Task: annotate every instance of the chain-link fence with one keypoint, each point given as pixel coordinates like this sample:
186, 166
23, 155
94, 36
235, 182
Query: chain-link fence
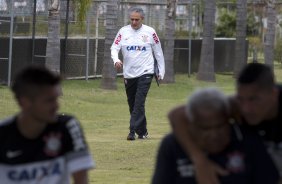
24, 33
24, 29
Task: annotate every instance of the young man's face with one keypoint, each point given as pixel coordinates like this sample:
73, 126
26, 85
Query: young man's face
136, 20
211, 131
256, 104
44, 106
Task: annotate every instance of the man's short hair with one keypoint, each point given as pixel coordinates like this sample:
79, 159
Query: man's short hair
258, 74
31, 78
137, 10
207, 99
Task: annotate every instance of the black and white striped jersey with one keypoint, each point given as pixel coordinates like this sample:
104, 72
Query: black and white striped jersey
59, 151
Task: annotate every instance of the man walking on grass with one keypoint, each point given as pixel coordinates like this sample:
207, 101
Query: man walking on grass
139, 44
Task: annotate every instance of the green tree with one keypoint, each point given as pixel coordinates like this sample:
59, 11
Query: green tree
226, 26
82, 7
253, 25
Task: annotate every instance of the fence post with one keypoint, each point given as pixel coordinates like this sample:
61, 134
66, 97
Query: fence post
190, 37
33, 30
87, 44
96, 39
11, 42
66, 35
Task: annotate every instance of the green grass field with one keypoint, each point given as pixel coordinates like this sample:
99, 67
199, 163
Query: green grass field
105, 118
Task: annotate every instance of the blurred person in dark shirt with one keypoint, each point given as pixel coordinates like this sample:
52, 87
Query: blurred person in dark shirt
257, 104
238, 151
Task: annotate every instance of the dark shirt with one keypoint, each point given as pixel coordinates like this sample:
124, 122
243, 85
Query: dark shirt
245, 158
59, 151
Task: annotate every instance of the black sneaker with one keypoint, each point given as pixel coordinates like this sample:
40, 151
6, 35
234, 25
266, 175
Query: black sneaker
131, 137
144, 136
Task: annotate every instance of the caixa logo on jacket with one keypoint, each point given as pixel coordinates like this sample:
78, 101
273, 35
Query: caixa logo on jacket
136, 48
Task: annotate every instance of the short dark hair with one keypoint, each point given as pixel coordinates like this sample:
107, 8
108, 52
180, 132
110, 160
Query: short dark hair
31, 78
258, 74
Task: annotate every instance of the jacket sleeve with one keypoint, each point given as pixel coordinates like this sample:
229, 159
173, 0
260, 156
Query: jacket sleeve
158, 53
116, 46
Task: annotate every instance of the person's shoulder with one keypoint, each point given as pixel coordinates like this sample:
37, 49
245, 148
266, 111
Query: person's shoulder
7, 122
7, 127
64, 118
169, 138
72, 129
169, 142
171, 148
149, 29
125, 28
66, 121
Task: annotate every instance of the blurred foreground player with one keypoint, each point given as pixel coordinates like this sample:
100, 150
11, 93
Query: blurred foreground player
38, 146
241, 153
257, 104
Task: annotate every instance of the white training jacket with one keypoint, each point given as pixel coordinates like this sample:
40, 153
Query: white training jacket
137, 48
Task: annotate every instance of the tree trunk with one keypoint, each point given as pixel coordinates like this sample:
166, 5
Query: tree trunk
270, 33
53, 42
169, 42
108, 71
241, 31
206, 67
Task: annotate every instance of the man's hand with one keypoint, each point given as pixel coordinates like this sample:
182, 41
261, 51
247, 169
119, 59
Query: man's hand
159, 77
118, 65
207, 171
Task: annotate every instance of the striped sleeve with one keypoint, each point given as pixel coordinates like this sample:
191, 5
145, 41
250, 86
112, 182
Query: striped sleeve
78, 156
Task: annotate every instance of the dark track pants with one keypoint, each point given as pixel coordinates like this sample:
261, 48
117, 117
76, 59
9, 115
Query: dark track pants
136, 91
